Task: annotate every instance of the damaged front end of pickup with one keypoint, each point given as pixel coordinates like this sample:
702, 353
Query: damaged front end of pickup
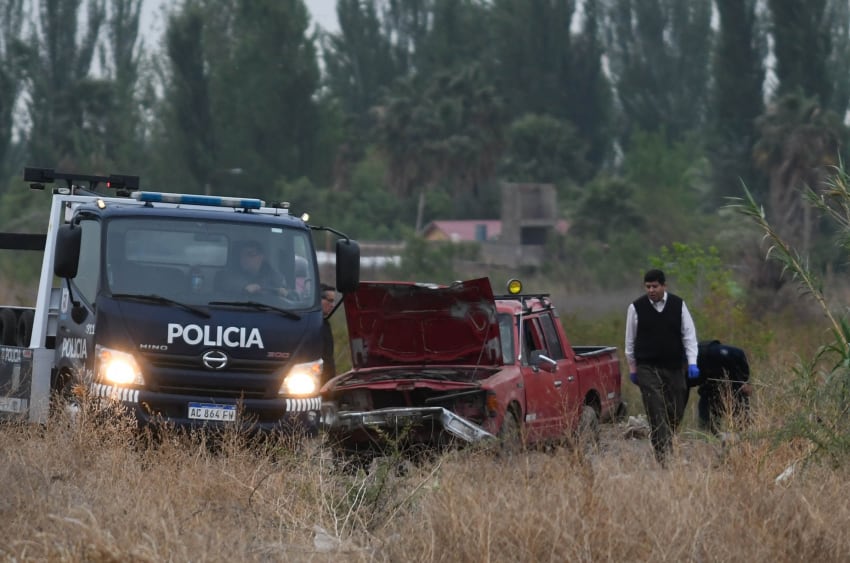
421, 356
370, 420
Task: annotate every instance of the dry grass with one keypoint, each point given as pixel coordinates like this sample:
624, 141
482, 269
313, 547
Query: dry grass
93, 492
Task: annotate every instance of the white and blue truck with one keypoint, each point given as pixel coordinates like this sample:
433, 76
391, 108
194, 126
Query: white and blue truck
131, 307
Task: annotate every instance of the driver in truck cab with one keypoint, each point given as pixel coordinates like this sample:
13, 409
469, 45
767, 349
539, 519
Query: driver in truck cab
253, 274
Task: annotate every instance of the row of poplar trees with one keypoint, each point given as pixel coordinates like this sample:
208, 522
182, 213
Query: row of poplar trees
645, 114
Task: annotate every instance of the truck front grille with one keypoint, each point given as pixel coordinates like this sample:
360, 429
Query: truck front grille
167, 361
187, 375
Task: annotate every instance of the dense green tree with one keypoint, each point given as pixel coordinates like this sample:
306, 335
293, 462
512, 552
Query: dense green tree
65, 104
838, 65
670, 178
120, 58
448, 131
455, 37
401, 132
542, 148
802, 44
381, 40
591, 98
607, 240
11, 51
384, 40
532, 42
801, 135
407, 23
264, 104
185, 137
736, 95
797, 147
659, 57
241, 94
359, 62
607, 207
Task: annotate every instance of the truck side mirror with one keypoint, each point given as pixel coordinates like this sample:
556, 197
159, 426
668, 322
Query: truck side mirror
540, 361
67, 257
347, 265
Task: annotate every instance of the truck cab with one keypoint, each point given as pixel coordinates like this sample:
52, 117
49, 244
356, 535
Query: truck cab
152, 312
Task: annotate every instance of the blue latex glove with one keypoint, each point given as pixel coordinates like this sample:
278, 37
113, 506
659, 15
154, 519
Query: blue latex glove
633, 377
693, 371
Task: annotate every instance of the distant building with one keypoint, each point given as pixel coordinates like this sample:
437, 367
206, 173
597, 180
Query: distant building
473, 230
529, 218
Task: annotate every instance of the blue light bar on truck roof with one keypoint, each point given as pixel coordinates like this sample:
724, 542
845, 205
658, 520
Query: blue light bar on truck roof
192, 199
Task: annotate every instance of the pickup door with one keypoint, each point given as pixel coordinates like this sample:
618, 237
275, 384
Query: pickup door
552, 396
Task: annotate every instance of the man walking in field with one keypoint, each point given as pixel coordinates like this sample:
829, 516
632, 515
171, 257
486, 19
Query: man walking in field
660, 340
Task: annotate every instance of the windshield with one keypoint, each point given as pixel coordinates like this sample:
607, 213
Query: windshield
202, 262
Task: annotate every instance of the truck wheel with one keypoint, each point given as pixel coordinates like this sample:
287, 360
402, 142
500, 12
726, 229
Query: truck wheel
588, 427
510, 435
8, 327
24, 332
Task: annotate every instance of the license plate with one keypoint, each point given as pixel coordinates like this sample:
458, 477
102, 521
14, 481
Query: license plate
11, 404
206, 411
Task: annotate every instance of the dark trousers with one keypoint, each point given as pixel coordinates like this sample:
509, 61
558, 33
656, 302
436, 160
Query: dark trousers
664, 392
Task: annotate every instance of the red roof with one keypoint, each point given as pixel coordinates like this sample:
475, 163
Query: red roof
467, 230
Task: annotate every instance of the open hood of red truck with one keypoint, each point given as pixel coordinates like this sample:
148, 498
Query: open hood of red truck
407, 324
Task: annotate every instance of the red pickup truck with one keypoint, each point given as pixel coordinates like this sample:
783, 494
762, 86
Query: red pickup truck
436, 364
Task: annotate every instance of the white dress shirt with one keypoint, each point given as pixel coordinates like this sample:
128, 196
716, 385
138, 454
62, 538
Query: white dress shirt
689, 332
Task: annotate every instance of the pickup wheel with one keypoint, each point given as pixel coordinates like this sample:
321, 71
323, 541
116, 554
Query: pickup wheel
510, 435
588, 427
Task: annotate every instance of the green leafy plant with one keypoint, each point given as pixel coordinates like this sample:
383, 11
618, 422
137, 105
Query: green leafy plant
820, 387
715, 300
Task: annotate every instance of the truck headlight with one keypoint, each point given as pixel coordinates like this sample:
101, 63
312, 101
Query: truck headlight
117, 368
302, 379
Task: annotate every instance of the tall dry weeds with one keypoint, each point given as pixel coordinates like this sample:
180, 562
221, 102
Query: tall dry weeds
91, 490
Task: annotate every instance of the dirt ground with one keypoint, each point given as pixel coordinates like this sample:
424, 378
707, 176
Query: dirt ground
628, 442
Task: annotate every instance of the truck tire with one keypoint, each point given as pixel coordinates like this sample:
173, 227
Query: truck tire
8, 327
588, 428
24, 332
510, 435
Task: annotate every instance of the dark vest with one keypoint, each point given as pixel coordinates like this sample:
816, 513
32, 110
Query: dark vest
659, 335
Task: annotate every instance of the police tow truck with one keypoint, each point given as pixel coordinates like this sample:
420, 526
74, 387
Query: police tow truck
146, 312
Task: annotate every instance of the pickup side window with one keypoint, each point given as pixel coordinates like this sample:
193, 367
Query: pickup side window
532, 339
556, 349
